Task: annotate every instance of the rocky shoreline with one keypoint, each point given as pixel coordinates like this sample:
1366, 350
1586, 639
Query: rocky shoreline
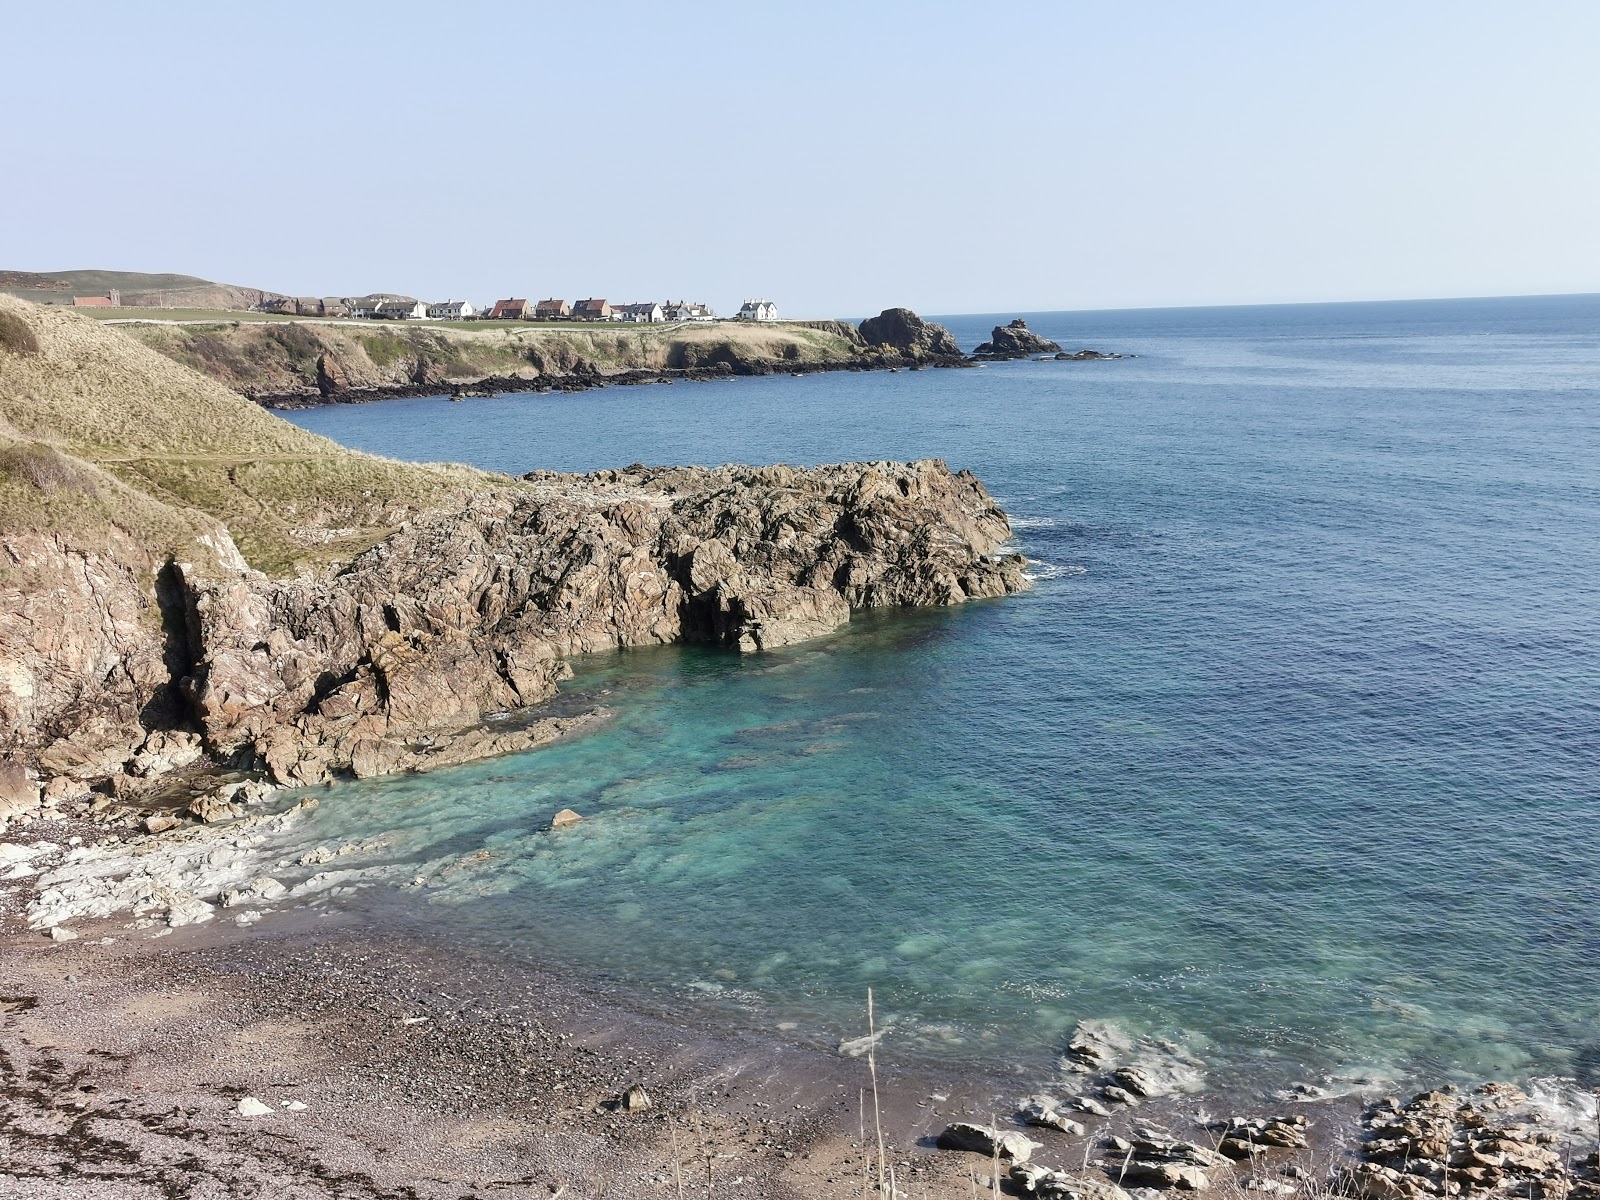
396, 660
352, 1055
895, 340
500, 385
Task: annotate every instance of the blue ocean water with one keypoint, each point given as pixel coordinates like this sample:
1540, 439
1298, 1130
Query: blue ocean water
1293, 753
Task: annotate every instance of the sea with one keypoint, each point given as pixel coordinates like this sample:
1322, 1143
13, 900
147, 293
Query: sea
1291, 757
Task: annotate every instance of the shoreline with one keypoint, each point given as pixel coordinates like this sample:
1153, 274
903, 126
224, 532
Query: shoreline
499, 385
431, 1068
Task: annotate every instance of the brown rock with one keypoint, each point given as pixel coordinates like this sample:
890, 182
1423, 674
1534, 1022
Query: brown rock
565, 819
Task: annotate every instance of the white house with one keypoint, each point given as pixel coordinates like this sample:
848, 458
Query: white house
400, 310
451, 310
649, 314
758, 310
681, 310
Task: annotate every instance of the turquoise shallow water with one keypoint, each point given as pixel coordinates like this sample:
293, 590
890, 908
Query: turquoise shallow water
1291, 754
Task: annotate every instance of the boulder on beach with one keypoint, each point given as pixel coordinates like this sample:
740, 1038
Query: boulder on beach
565, 819
981, 1139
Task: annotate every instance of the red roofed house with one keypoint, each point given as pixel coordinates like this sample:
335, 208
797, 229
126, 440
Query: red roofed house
553, 310
591, 310
510, 310
109, 300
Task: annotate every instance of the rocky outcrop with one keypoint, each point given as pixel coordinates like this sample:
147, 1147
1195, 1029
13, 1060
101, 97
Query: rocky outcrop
1441, 1142
918, 340
393, 661
1015, 340
137, 646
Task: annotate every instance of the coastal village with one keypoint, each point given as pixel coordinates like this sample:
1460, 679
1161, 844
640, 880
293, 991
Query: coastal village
382, 307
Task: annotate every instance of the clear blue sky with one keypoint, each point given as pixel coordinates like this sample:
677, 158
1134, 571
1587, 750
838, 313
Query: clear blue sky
836, 158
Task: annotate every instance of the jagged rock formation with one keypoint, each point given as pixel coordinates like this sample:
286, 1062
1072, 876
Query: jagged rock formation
467, 614
918, 340
1015, 340
380, 611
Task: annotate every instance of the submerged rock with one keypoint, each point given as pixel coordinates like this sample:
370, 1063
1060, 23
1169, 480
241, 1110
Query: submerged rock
565, 819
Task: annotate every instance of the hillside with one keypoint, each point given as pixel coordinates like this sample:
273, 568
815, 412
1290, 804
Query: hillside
311, 360
99, 433
139, 290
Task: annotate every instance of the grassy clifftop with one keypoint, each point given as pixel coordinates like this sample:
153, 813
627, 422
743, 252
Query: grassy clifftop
99, 433
304, 357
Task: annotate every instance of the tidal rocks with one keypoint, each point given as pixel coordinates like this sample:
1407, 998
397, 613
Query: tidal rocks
1441, 1142
565, 819
1048, 1116
919, 340
981, 1139
1015, 340
1247, 1137
1127, 1070
1035, 1180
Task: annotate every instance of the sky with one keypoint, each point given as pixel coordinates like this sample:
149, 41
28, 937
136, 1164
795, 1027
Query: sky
835, 158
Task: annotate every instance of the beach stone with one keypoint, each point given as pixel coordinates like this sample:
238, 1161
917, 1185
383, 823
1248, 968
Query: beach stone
1048, 1117
160, 822
1271, 1187
213, 807
267, 888
188, 910
1166, 1175
60, 933
251, 1107
980, 1139
635, 1099
1089, 1105
565, 819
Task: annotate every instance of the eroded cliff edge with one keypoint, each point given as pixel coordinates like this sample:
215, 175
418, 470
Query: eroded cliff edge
185, 579
392, 662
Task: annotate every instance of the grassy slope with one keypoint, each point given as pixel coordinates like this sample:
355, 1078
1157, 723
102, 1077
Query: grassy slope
98, 430
280, 359
131, 284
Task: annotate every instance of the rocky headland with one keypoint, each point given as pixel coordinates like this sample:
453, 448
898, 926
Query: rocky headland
191, 583
303, 363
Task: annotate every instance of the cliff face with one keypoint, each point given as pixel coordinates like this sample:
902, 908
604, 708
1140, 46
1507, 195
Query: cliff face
468, 614
312, 362
135, 638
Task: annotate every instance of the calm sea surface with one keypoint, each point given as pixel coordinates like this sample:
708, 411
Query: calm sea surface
1293, 754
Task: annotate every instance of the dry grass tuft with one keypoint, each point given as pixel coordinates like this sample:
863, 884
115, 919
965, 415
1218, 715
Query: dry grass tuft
15, 335
91, 396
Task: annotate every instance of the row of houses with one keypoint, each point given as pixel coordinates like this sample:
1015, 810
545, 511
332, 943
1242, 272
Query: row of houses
594, 309
392, 308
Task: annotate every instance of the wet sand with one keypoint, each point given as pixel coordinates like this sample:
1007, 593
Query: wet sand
394, 1063
424, 1072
